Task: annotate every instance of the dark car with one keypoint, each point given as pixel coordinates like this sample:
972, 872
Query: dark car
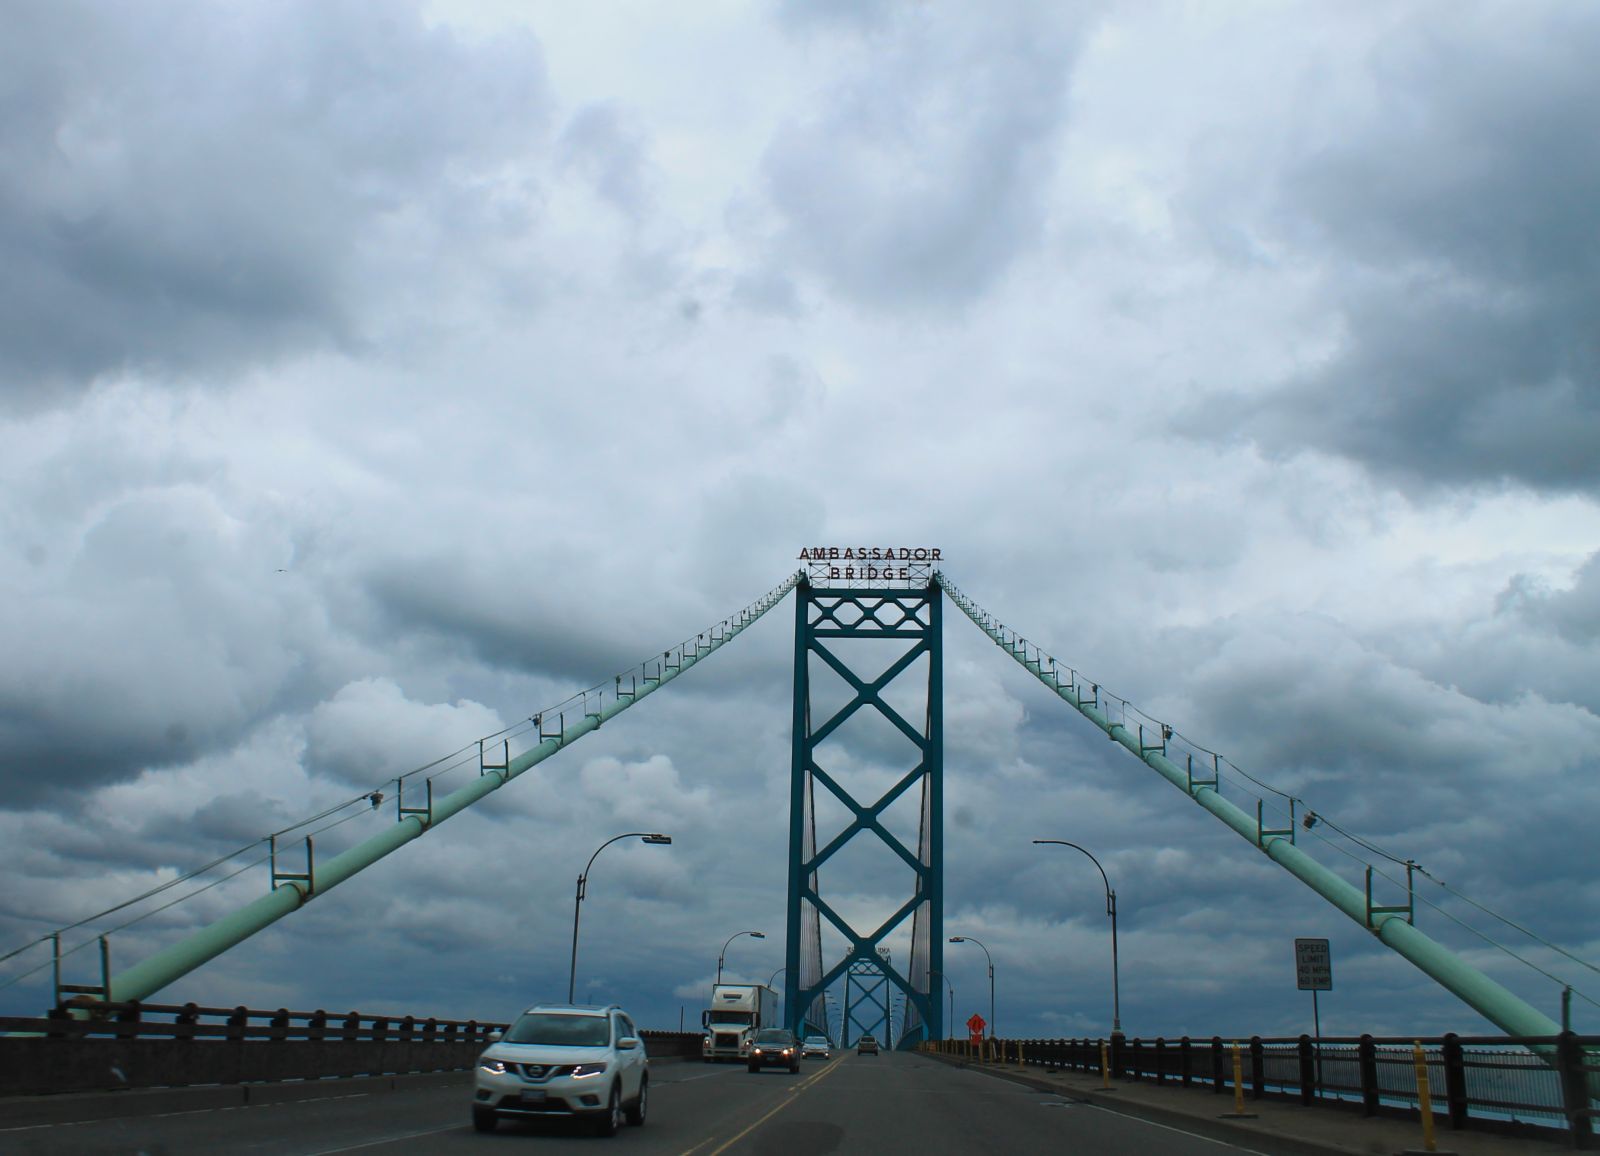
774, 1047
865, 1044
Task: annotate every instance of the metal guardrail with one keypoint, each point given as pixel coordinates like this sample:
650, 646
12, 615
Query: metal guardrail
1541, 1086
136, 1020
87, 1046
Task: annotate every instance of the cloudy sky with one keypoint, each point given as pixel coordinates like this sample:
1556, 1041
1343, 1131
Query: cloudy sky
375, 375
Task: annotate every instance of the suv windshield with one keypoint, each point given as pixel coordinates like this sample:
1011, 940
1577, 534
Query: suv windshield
554, 1028
773, 1036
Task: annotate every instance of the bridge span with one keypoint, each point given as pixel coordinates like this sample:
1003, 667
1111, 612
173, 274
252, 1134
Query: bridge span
889, 1103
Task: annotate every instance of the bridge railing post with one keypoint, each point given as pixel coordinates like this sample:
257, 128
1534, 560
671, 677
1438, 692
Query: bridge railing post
1573, 1069
127, 1020
185, 1021
1308, 1070
1258, 1069
1367, 1063
1185, 1062
1455, 1080
1118, 1059
1218, 1079
1161, 1061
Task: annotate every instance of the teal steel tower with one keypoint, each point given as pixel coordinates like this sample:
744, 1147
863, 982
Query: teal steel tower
849, 629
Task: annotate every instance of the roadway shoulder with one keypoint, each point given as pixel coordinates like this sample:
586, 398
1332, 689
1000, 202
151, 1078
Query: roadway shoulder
69, 1107
1274, 1125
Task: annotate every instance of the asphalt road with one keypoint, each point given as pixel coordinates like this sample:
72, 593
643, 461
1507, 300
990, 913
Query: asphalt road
850, 1104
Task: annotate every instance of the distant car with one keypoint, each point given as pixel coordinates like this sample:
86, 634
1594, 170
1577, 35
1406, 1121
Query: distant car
774, 1047
867, 1044
816, 1046
567, 1061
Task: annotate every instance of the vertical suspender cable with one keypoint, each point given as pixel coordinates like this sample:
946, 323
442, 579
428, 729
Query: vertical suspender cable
151, 975
1489, 999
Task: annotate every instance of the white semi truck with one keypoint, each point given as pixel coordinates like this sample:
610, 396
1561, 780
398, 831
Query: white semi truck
737, 1012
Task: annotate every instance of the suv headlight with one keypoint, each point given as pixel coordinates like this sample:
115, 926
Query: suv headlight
584, 1071
492, 1066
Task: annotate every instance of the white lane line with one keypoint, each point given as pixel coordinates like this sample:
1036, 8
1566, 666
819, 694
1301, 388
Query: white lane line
386, 1140
1130, 1116
186, 1112
1179, 1131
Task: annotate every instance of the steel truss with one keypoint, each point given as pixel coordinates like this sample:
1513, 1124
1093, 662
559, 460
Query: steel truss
909, 619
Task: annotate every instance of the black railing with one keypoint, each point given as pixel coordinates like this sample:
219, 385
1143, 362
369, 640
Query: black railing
111, 1046
135, 1020
1537, 1086
97, 1046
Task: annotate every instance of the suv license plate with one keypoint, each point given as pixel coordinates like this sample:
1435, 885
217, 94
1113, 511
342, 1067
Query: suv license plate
533, 1095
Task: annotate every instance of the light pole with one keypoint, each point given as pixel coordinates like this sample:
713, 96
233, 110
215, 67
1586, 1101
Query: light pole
1111, 910
772, 979
950, 1025
990, 958
583, 884
723, 953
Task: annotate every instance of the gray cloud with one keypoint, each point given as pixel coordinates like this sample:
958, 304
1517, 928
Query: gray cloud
1453, 216
598, 143
919, 179
198, 190
521, 411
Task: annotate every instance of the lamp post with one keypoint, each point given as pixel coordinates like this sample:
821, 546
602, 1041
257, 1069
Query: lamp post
990, 958
723, 953
650, 837
950, 1025
1111, 910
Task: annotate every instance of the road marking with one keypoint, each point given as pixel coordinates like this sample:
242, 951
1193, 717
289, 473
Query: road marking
385, 1140
186, 1112
794, 1092
1179, 1131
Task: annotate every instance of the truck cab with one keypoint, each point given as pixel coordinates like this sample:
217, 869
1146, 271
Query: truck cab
737, 1012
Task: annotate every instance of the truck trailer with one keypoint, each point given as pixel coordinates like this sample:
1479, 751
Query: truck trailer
737, 1012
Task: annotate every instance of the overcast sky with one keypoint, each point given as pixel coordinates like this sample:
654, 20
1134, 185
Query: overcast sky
375, 375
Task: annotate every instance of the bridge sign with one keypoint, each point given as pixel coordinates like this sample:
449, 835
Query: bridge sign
1313, 965
976, 1025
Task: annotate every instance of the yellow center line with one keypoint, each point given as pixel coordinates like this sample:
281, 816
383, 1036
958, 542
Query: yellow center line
794, 1091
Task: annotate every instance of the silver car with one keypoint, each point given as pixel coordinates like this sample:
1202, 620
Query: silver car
815, 1046
565, 1061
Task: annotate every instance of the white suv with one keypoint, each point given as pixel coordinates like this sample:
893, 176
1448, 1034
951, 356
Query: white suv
562, 1060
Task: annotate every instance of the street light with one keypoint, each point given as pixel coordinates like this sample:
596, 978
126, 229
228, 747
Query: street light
723, 953
1111, 910
990, 958
583, 882
950, 1028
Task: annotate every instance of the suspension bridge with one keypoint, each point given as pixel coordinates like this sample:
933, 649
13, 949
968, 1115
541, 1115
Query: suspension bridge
868, 641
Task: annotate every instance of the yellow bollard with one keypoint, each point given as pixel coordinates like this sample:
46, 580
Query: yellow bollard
1424, 1101
1105, 1068
1021, 1063
1238, 1081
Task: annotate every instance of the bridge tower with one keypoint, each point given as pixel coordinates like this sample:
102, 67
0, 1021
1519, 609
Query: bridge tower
868, 659
866, 1004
